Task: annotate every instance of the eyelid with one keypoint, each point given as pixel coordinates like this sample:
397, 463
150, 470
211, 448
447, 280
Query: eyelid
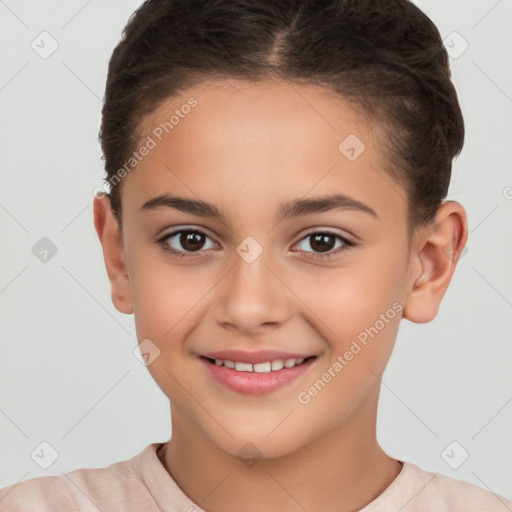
185, 227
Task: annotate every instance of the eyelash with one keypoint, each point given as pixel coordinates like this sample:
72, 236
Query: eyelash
347, 244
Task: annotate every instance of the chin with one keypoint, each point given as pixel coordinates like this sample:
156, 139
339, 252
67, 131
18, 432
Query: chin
250, 451
257, 445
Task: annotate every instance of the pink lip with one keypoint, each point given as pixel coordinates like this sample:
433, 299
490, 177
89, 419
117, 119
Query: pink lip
261, 356
252, 383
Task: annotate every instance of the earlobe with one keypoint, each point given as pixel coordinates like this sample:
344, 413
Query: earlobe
111, 240
433, 262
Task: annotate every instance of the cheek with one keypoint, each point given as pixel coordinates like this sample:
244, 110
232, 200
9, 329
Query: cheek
346, 299
357, 310
166, 305
164, 295
357, 355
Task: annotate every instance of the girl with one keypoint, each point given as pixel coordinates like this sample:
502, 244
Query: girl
276, 179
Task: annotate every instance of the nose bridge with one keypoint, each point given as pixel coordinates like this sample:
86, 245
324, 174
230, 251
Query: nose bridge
251, 295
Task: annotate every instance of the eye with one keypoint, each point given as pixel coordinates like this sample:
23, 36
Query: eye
190, 240
324, 242
185, 242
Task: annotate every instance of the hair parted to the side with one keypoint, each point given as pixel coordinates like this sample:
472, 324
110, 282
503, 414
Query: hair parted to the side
384, 56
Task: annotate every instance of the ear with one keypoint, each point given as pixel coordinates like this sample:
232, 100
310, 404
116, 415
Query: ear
111, 239
434, 256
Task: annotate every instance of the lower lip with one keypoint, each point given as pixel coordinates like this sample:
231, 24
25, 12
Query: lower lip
253, 383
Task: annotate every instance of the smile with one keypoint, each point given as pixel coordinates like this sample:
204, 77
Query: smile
256, 378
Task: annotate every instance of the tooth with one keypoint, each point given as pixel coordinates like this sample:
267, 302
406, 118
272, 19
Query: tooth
278, 364
262, 367
266, 367
243, 367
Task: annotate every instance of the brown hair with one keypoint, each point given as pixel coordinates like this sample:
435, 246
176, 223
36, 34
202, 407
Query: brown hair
385, 56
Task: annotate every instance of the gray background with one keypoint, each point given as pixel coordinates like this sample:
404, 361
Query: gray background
68, 373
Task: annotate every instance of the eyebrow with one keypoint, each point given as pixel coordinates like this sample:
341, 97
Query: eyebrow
286, 210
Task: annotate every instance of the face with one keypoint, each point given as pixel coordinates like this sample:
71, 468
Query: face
252, 273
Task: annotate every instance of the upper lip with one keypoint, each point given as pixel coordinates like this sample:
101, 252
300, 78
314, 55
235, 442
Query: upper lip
261, 356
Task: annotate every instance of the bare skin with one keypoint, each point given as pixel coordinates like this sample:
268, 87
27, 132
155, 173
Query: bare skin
247, 148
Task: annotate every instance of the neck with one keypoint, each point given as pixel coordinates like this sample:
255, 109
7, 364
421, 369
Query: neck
341, 470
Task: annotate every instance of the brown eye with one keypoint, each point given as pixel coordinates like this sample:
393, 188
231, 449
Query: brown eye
323, 243
185, 241
191, 240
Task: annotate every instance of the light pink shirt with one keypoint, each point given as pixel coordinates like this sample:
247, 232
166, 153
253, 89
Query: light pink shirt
142, 484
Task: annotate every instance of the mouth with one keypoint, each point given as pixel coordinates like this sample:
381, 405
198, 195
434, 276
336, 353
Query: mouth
257, 378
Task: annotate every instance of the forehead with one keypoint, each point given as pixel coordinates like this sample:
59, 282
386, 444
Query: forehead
260, 140
307, 109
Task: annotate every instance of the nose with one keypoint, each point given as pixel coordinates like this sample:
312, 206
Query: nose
252, 297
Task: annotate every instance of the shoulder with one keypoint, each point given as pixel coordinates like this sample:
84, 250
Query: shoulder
113, 487
443, 493
36, 495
